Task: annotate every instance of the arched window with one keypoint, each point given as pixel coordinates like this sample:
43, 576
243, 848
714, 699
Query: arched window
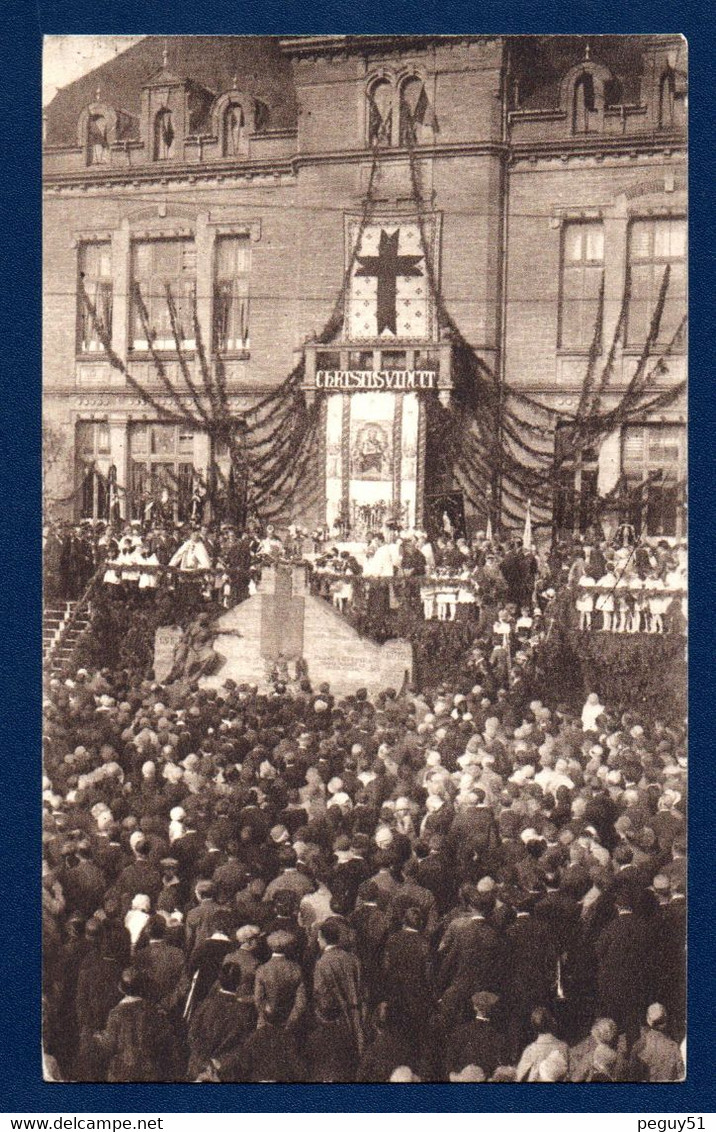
380, 113
163, 136
262, 117
97, 141
416, 116
234, 131
583, 104
667, 90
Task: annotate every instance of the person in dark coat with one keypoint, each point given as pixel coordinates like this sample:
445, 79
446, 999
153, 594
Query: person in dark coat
670, 931
279, 989
141, 876
221, 1023
347, 876
433, 872
270, 1054
329, 1049
387, 1048
83, 884
137, 1041
207, 959
408, 976
470, 955
163, 968
478, 1042
626, 968
473, 834
531, 954
337, 984
370, 922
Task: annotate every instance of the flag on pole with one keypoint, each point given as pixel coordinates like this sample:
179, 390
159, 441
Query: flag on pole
488, 530
527, 535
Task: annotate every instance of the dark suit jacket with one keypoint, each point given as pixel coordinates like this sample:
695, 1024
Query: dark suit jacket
476, 1043
470, 956
165, 970
530, 963
219, 1026
409, 987
626, 970
270, 1053
138, 1043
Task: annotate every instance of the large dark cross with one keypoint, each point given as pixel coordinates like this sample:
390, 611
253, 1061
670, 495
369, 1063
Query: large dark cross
386, 267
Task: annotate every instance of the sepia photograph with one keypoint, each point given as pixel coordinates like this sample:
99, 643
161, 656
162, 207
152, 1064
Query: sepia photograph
364, 559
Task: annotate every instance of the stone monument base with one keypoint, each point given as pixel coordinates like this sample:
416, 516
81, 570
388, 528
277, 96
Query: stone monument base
283, 622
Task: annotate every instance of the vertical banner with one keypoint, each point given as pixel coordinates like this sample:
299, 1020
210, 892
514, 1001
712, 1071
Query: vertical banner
389, 295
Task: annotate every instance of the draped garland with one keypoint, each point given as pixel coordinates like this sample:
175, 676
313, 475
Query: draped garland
494, 449
273, 446
498, 441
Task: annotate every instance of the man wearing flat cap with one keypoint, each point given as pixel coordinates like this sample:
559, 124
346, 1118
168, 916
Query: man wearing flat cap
245, 957
279, 989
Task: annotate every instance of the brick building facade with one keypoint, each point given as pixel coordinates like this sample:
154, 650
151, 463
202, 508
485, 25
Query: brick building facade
235, 171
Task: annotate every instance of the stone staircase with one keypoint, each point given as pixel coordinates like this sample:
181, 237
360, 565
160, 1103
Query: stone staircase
62, 627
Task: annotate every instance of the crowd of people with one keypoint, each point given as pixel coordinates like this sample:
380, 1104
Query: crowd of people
621, 585
466, 883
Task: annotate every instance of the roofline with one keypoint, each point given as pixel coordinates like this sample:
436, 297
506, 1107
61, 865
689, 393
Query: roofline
330, 44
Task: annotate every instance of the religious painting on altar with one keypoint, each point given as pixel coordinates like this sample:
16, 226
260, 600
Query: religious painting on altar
371, 455
390, 295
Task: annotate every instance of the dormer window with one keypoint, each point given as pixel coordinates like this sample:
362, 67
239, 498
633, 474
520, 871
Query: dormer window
380, 113
417, 121
163, 136
583, 104
234, 139
97, 140
261, 117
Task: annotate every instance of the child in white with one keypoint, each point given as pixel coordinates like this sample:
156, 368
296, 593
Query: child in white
636, 587
591, 711
621, 615
657, 603
148, 579
585, 601
605, 599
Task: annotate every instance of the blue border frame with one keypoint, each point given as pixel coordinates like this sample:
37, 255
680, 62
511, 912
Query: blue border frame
20, 630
